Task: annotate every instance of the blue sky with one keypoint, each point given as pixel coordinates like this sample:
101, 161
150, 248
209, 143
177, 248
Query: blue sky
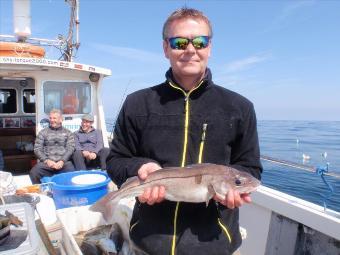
282, 55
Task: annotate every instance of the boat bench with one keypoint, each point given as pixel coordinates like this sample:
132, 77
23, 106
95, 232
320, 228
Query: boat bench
12, 144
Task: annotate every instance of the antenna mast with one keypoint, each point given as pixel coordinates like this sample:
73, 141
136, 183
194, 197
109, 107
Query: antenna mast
22, 29
74, 23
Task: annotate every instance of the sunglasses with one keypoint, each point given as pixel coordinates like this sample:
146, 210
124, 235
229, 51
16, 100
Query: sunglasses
181, 43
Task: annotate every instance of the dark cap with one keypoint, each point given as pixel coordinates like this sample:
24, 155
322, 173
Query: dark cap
88, 117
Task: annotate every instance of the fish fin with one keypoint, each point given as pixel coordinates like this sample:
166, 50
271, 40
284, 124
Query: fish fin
210, 194
128, 181
198, 179
199, 165
102, 205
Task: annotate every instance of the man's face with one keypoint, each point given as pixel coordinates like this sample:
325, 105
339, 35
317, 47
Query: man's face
86, 125
190, 62
55, 120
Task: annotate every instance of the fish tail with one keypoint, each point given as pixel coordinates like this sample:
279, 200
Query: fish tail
104, 205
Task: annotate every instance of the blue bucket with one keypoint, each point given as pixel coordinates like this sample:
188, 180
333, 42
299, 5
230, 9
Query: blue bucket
67, 193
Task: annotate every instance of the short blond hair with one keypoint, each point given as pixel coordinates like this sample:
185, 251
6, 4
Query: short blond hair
56, 111
185, 13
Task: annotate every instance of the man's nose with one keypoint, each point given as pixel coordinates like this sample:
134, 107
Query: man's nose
190, 48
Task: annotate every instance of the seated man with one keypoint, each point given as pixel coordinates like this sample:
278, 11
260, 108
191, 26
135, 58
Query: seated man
53, 147
89, 146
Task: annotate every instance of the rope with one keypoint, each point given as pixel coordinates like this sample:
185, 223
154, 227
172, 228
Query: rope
321, 172
297, 165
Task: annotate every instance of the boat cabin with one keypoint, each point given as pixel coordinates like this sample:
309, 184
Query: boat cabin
29, 88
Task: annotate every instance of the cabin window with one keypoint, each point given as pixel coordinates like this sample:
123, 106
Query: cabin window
69, 97
28, 100
8, 101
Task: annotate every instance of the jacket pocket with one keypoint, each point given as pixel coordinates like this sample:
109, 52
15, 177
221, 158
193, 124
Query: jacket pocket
220, 135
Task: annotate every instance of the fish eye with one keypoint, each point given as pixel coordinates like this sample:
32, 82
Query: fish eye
237, 182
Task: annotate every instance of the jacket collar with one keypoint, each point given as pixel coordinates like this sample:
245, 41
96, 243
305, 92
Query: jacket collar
58, 128
207, 80
82, 131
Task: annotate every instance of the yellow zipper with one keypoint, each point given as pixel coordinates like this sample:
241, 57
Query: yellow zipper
185, 145
225, 229
133, 225
204, 129
200, 154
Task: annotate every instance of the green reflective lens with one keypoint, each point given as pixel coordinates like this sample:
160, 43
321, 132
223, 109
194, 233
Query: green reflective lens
181, 43
200, 42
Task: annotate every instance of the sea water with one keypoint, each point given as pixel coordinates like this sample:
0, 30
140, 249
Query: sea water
312, 143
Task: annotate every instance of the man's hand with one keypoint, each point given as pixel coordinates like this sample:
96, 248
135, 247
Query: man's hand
155, 194
92, 155
86, 154
50, 163
233, 199
59, 165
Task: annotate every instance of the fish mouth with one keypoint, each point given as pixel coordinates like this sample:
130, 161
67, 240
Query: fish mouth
252, 186
255, 185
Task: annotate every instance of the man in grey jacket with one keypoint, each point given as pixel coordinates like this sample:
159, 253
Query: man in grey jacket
90, 151
53, 147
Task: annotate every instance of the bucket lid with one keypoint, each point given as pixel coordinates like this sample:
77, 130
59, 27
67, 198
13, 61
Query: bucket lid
88, 179
74, 181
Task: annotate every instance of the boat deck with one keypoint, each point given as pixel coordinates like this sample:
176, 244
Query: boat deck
275, 224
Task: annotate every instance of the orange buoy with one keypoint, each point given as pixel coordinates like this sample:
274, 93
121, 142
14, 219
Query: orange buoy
23, 50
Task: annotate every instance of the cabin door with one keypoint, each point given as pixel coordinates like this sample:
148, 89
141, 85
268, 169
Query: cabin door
17, 124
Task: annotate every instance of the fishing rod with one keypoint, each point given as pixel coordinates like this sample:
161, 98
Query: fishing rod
297, 165
118, 110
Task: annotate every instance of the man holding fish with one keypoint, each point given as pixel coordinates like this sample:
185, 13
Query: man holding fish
163, 132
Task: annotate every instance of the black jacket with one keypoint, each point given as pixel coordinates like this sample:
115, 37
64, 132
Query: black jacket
151, 127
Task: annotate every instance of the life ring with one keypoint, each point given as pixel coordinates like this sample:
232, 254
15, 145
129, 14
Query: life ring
24, 50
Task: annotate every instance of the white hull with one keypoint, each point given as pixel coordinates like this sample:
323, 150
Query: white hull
277, 223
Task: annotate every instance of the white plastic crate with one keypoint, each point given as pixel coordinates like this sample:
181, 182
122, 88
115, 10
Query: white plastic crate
25, 213
80, 218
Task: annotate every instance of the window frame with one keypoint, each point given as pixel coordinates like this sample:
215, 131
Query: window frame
76, 84
23, 104
16, 101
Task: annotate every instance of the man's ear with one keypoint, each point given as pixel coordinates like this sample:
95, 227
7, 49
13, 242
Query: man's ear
166, 48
